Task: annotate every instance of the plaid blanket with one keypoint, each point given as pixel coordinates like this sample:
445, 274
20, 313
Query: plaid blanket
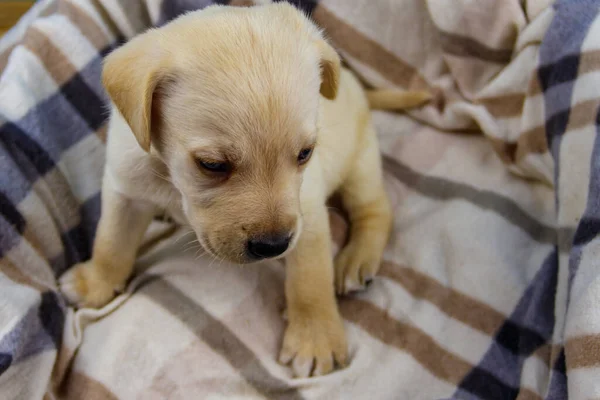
491, 284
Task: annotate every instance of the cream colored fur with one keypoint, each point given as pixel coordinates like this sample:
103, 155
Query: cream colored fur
251, 87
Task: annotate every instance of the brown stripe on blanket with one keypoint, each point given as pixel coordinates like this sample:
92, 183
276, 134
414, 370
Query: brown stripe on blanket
86, 24
445, 189
548, 353
55, 62
368, 51
218, 336
241, 3
464, 46
471, 75
80, 386
4, 56
136, 12
379, 324
410, 339
544, 352
535, 86
50, 8
506, 150
583, 352
504, 106
459, 306
582, 114
534, 141
40, 244
107, 20
102, 132
15, 274
589, 61
54, 192
453, 303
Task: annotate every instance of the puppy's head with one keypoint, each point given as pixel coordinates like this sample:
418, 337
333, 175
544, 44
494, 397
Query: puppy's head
228, 98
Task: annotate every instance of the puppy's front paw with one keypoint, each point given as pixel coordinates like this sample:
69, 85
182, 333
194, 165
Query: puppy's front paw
314, 346
84, 288
355, 267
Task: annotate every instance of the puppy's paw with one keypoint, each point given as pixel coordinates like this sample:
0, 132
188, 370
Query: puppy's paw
355, 267
314, 346
82, 287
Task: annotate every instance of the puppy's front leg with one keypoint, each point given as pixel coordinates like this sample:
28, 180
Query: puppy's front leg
315, 334
122, 225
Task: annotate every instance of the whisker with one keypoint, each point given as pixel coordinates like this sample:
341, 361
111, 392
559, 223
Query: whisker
159, 175
184, 235
191, 247
199, 253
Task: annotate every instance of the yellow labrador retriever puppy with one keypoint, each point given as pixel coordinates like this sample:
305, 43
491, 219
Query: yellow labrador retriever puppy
241, 122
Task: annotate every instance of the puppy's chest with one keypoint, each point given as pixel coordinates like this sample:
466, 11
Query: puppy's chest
168, 200
148, 181
175, 212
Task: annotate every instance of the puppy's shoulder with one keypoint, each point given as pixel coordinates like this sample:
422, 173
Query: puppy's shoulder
132, 171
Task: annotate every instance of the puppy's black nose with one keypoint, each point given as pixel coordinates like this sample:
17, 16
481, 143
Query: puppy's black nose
268, 246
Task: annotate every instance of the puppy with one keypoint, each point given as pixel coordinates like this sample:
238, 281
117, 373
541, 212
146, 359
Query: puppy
241, 123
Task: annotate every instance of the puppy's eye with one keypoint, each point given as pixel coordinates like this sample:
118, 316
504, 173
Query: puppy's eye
214, 167
304, 155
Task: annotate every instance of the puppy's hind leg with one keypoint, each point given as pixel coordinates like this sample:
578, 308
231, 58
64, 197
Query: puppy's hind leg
368, 207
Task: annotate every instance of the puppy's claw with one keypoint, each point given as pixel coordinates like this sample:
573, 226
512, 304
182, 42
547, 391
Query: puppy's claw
324, 367
303, 367
285, 356
355, 267
351, 285
313, 346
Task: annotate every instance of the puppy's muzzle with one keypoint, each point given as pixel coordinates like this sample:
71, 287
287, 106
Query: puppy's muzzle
268, 246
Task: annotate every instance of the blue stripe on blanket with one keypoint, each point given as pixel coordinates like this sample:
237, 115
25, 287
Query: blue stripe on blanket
559, 65
28, 156
9, 237
11, 214
560, 57
89, 106
173, 8
64, 119
558, 381
305, 5
530, 326
32, 146
39, 329
78, 241
588, 228
5, 362
52, 316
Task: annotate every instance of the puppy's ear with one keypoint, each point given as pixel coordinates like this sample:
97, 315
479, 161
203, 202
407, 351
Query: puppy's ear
130, 75
330, 69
